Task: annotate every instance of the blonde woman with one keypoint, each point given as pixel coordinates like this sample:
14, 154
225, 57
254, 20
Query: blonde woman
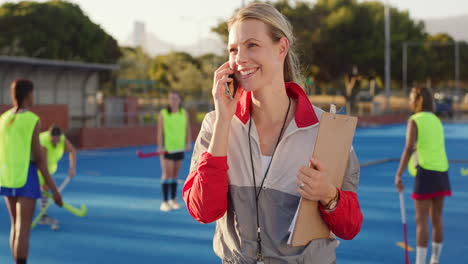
249, 166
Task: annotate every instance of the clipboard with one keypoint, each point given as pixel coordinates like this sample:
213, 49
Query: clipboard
332, 148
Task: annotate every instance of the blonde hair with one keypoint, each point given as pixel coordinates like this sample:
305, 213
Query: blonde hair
278, 27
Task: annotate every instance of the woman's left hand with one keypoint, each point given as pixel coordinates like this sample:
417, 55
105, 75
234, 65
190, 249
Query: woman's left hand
313, 183
399, 183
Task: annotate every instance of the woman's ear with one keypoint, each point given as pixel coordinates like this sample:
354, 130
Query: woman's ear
283, 47
418, 102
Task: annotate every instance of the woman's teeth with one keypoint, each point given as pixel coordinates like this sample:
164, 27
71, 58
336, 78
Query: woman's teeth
244, 73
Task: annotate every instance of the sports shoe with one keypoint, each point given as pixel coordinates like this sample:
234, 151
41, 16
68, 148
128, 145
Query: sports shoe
45, 220
54, 225
165, 207
174, 204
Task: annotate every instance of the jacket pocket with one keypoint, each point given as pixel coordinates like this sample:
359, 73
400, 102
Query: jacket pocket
320, 251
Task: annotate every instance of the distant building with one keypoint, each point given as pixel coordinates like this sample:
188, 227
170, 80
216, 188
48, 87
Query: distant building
73, 84
139, 34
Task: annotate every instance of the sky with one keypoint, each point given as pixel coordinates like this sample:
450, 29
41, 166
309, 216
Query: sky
184, 22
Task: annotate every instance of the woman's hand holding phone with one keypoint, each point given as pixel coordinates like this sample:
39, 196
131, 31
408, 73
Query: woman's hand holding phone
225, 107
231, 87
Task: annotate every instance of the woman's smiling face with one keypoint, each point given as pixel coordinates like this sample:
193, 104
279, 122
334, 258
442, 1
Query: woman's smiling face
255, 57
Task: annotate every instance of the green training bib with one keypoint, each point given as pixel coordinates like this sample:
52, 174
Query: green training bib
430, 144
175, 130
16, 131
54, 153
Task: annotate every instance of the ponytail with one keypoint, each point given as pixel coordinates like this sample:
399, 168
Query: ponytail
20, 89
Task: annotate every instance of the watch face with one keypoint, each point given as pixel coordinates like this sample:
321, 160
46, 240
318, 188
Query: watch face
332, 205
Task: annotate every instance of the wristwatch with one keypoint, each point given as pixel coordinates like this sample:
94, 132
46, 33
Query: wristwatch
331, 205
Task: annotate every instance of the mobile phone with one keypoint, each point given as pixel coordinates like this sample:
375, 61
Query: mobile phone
231, 87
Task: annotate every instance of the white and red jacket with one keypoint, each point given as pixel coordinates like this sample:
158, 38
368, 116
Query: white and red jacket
221, 189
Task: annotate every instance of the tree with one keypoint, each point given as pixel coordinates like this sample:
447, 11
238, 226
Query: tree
176, 70
208, 65
222, 30
180, 71
54, 30
133, 64
133, 73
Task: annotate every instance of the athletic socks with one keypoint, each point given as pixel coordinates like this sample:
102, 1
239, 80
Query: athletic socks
20, 261
436, 249
421, 253
169, 184
43, 202
165, 189
173, 189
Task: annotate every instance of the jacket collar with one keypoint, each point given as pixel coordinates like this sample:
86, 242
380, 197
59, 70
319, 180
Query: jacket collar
305, 114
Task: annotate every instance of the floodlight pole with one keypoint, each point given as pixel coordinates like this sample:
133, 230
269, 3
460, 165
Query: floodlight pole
387, 57
457, 69
405, 68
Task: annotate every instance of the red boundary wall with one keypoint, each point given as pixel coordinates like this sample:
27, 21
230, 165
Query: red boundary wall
117, 137
387, 119
113, 137
49, 114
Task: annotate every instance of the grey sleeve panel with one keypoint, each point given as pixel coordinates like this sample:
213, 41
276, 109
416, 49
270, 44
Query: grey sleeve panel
353, 171
203, 139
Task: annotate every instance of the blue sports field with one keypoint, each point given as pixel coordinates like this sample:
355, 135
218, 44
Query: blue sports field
124, 224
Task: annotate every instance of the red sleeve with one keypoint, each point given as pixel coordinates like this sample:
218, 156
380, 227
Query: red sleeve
346, 220
206, 189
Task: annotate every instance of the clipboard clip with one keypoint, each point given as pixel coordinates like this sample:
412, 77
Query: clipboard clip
332, 108
342, 110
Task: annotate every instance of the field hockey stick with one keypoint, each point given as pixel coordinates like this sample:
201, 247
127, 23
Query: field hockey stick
142, 155
81, 212
403, 220
44, 210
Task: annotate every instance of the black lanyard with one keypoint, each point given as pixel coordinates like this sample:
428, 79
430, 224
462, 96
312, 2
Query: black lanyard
257, 194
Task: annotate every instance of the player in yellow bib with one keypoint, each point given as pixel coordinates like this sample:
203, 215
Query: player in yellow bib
174, 137
55, 144
20, 158
425, 149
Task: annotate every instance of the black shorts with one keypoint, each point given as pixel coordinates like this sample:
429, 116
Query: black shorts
431, 184
174, 156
